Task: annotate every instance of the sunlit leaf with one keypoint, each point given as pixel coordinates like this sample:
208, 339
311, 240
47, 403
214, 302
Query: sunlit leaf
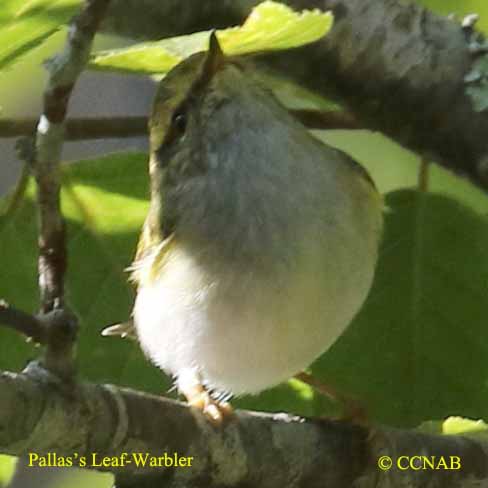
7, 469
270, 26
460, 425
26, 25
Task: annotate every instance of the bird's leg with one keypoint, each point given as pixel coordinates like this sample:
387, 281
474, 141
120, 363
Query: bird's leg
190, 385
352, 409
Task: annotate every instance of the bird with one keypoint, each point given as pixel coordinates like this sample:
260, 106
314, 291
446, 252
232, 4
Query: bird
261, 241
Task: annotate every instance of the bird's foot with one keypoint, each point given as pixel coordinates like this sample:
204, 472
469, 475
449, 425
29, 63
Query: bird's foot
216, 411
197, 396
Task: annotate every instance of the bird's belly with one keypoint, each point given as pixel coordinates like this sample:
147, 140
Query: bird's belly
245, 333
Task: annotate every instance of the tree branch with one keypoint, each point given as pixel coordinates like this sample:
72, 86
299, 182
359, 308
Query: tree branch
327, 119
22, 322
56, 329
401, 69
64, 70
81, 128
253, 449
121, 127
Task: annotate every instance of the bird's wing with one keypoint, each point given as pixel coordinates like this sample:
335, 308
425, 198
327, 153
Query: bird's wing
149, 260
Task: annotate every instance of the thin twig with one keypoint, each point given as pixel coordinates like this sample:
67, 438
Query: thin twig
121, 127
22, 322
56, 329
64, 70
326, 120
81, 128
15, 198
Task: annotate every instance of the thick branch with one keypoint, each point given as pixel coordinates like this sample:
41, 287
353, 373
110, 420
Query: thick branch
252, 449
401, 69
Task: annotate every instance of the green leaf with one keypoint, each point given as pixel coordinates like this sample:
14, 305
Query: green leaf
418, 348
274, 26
460, 425
455, 426
270, 26
7, 469
141, 58
292, 95
26, 25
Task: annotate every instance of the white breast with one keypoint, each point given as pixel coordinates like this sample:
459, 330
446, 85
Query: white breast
245, 332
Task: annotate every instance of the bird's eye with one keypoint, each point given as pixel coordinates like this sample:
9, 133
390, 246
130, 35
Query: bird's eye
178, 122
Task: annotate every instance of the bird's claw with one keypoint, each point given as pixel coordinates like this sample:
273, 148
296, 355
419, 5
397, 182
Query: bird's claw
215, 411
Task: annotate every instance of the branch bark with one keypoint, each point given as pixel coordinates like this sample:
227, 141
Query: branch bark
41, 416
413, 75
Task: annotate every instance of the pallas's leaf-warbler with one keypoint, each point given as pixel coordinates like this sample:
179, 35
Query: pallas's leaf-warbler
260, 244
